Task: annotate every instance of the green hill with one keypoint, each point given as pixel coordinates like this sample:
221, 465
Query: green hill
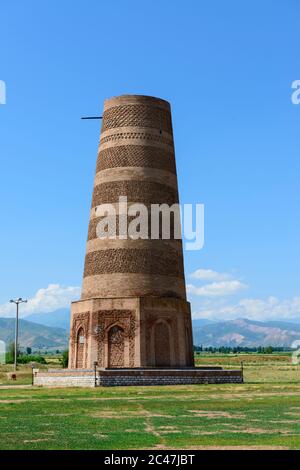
32, 334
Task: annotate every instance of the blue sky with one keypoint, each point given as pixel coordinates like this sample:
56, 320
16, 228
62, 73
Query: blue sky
226, 68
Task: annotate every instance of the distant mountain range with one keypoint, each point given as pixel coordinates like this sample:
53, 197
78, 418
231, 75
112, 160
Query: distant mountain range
58, 319
33, 334
244, 332
50, 330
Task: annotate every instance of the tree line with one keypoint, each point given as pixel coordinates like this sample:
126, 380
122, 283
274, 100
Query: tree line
240, 349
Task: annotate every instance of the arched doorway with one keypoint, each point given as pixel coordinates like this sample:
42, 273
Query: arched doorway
162, 345
80, 349
116, 343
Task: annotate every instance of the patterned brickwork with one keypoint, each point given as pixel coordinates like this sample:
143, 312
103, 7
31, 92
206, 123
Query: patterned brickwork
92, 232
116, 345
139, 115
147, 192
149, 137
80, 323
146, 261
81, 339
136, 156
119, 320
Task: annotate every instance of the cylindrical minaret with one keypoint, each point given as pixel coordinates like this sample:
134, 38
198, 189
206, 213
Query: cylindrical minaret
136, 159
133, 310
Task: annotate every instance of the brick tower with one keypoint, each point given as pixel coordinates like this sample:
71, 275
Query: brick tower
133, 310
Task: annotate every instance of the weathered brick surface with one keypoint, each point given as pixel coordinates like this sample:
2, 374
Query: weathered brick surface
133, 310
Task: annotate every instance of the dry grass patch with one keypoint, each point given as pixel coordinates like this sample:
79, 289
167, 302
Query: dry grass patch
216, 414
35, 440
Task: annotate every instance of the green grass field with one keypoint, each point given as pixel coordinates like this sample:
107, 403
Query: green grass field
262, 413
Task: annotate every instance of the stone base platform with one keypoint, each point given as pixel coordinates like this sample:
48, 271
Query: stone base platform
137, 376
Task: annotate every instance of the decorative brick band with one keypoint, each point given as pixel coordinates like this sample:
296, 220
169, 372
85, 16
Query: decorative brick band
137, 115
129, 285
136, 156
136, 99
96, 244
147, 193
137, 174
94, 212
145, 261
137, 134
92, 232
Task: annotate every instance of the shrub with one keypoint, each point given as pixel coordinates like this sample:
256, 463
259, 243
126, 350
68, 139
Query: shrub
9, 358
25, 359
65, 359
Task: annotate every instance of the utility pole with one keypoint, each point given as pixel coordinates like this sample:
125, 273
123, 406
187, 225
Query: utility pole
17, 302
